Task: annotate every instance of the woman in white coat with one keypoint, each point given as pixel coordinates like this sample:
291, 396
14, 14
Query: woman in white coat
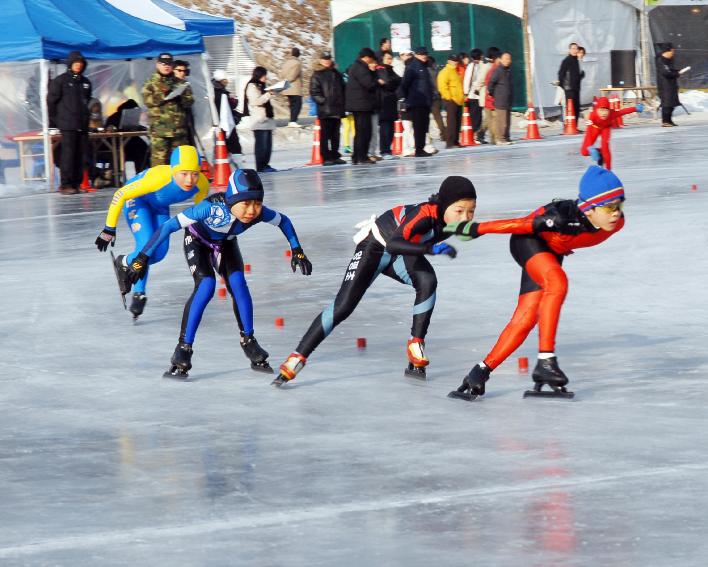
257, 106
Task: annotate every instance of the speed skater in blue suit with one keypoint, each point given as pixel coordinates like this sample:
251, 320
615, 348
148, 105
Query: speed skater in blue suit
145, 201
210, 241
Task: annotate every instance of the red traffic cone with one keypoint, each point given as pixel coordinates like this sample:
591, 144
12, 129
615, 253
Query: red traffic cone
397, 148
570, 127
532, 132
466, 137
86, 186
222, 170
316, 150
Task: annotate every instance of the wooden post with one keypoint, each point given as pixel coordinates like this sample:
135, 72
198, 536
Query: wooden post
527, 55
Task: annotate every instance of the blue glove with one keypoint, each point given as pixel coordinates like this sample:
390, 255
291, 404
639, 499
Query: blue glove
639, 107
595, 154
443, 248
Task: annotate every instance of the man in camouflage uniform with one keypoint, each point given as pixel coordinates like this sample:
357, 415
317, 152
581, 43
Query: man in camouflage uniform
167, 99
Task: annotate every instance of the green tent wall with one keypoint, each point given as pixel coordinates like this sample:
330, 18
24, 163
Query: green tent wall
472, 26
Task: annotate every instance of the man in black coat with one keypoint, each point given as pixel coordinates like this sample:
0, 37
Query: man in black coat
220, 81
501, 88
388, 103
417, 89
569, 77
361, 102
327, 90
67, 101
667, 82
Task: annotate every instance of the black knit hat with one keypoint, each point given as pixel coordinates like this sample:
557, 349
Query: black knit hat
454, 188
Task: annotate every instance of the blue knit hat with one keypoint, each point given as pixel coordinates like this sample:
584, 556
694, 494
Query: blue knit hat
598, 186
244, 185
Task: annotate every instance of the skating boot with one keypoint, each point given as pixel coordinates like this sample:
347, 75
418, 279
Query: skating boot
289, 369
121, 275
417, 361
181, 362
472, 385
137, 306
255, 353
548, 372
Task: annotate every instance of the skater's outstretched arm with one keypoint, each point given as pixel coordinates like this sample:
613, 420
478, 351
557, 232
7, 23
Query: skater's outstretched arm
150, 180
298, 259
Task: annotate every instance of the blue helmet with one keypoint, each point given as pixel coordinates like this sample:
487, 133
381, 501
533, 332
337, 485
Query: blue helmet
244, 185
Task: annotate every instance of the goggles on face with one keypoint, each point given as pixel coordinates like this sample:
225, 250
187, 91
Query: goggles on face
611, 207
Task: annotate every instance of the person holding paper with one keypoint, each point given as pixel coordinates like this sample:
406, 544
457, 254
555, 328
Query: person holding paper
257, 106
167, 99
667, 82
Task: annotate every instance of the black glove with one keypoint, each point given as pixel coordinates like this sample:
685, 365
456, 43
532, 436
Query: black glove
137, 268
553, 221
106, 237
299, 260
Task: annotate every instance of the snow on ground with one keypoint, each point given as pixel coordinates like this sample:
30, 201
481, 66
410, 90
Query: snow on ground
106, 463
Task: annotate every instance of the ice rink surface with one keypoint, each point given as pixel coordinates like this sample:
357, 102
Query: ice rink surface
104, 462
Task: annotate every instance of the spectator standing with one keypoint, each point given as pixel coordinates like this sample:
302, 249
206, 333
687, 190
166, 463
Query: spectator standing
493, 55
327, 90
453, 97
361, 102
182, 72
502, 89
67, 102
384, 47
167, 99
233, 144
257, 106
667, 82
417, 87
436, 107
388, 103
569, 77
471, 86
292, 72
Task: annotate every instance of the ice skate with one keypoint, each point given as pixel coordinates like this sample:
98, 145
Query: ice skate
255, 353
472, 385
548, 372
417, 361
181, 362
137, 306
289, 369
121, 271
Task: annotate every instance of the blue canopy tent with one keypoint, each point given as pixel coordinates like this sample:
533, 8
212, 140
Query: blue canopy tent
47, 30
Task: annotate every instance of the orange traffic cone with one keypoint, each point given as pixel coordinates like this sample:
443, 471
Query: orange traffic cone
397, 148
466, 137
207, 169
222, 170
532, 132
571, 122
86, 186
316, 150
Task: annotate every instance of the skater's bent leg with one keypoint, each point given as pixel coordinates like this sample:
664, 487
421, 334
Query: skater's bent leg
231, 268
242, 301
514, 334
369, 260
142, 221
418, 272
194, 309
605, 148
546, 271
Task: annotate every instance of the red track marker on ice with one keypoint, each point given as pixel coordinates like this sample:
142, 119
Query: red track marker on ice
361, 342
279, 322
523, 364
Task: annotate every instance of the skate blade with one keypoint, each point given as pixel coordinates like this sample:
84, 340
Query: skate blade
549, 394
417, 372
468, 396
279, 382
263, 367
176, 374
122, 295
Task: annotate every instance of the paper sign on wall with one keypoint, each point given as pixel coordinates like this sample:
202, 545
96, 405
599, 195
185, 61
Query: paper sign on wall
400, 37
441, 36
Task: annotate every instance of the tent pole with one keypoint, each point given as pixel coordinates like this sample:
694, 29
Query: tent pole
43, 84
209, 90
527, 55
644, 45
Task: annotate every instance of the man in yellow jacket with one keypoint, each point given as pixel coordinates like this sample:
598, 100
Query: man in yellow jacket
453, 97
